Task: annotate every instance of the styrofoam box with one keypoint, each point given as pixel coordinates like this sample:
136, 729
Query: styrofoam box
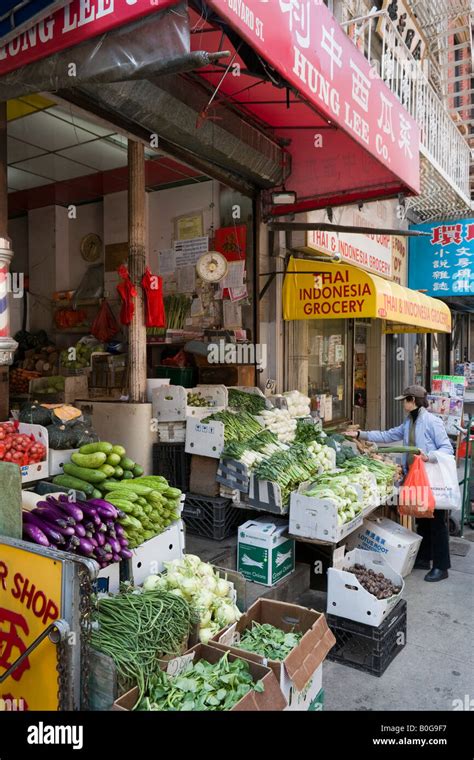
149, 558
170, 404
317, 518
347, 598
152, 383
57, 458
397, 544
207, 440
39, 470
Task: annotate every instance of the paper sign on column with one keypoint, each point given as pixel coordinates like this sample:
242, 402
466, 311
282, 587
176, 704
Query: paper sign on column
232, 314
188, 251
238, 294
167, 261
186, 279
197, 309
235, 275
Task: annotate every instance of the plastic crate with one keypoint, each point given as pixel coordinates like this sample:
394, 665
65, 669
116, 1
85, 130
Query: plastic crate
211, 517
177, 375
171, 461
368, 648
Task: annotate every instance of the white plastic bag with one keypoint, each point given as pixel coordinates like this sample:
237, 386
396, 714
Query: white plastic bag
443, 479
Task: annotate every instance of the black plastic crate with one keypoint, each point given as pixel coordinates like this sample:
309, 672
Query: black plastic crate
171, 461
365, 647
211, 517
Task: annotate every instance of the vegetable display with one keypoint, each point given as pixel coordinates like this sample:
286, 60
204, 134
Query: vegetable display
298, 404
269, 641
384, 472
150, 504
375, 583
94, 464
241, 401
298, 463
201, 586
338, 490
89, 528
258, 448
202, 686
280, 422
195, 399
19, 448
238, 427
137, 627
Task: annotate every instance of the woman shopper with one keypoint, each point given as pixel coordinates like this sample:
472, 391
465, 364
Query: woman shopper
427, 433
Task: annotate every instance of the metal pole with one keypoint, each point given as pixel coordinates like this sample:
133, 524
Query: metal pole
136, 268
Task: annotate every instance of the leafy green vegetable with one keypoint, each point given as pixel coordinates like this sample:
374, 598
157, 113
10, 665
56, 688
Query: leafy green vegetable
269, 641
202, 686
243, 401
238, 427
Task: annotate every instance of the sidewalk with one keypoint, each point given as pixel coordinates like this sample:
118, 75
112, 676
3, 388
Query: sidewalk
436, 666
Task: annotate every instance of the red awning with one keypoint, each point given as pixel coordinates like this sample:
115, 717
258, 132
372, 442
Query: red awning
349, 137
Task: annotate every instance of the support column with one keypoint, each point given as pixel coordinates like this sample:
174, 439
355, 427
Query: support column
7, 344
136, 268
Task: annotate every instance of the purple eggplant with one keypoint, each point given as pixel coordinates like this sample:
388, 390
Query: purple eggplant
115, 545
94, 542
126, 553
89, 511
35, 534
79, 530
71, 510
100, 538
108, 548
85, 547
104, 508
51, 534
102, 527
116, 557
44, 508
72, 544
119, 530
123, 542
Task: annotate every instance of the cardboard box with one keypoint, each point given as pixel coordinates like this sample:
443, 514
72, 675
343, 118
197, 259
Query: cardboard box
397, 544
270, 699
74, 388
264, 554
202, 480
347, 598
300, 674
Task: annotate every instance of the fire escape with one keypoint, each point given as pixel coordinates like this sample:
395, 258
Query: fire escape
428, 94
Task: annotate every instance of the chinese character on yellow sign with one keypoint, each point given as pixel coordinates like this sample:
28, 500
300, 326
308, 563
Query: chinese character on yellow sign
30, 600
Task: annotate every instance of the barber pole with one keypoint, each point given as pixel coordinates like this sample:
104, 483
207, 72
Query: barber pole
8, 346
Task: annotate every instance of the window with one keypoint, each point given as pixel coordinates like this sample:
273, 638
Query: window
329, 385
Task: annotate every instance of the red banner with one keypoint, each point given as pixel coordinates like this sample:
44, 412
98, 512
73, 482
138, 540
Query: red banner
75, 23
302, 40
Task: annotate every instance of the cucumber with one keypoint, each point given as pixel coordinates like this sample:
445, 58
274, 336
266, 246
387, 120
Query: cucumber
93, 461
138, 471
90, 476
96, 494
127, 475
118, 472
94, 448
130, 496
108, 469
113, 459
119, 450
127, 463
67, 481
125, 486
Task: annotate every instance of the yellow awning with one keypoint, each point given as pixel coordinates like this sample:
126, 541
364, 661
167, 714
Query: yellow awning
317, 290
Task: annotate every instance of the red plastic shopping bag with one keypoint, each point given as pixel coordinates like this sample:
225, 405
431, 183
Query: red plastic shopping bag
416, 497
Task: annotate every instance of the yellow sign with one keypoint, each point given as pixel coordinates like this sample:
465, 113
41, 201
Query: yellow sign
329, 291
30, 600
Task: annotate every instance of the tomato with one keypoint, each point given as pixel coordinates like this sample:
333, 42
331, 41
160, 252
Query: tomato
8, 456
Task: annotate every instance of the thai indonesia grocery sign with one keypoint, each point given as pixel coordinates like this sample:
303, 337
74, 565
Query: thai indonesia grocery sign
77, 22
303, 41
443, 263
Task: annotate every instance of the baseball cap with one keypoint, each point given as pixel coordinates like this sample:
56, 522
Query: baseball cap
413, 390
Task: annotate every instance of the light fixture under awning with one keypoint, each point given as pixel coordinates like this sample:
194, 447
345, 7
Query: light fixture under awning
316, 290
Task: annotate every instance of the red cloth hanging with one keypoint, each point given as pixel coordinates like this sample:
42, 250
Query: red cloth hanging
154, 306
105, 325
127, 292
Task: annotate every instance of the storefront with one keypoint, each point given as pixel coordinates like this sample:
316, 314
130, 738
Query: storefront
349, 312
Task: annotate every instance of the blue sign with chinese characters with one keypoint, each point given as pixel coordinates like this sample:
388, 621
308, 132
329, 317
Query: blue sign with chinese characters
443, 263
16, 16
